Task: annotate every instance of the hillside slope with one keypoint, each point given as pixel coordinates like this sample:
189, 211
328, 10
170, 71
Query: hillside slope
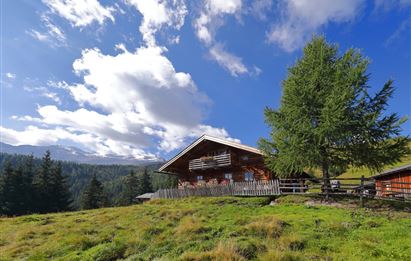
209, 229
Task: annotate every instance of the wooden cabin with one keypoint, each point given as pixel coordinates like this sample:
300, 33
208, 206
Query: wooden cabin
210, 160
394, 182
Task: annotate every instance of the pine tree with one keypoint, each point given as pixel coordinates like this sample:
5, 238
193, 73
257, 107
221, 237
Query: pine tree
94, 195
327, 118
146, 186
42, 184
131, 189
28, 188
60, 194
8, 190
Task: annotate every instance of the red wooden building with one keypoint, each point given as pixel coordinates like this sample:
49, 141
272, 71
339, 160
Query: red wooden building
394, 182
211, 160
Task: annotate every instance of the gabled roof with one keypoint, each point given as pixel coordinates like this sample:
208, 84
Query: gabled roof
393, 171
214, 139
145, 196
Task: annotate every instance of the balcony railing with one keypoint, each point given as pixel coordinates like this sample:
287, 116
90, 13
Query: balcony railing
210, 162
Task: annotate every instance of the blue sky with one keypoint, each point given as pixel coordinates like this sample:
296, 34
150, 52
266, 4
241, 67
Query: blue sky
143, 78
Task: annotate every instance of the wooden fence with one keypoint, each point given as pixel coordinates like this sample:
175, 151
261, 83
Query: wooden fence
247, 188
361, 187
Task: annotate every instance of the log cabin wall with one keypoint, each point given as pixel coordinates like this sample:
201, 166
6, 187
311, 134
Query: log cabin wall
212, 162
388, 184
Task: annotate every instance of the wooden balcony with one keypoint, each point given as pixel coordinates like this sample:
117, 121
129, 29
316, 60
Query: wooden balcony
210, 162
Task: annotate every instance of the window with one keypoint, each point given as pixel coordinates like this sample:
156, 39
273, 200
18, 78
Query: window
199, 177
248, 176
244, 157
228, 176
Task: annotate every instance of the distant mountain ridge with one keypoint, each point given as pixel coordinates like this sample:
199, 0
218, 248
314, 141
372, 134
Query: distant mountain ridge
71, 154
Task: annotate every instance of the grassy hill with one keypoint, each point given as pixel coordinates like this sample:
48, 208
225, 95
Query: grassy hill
210, 229
357, 173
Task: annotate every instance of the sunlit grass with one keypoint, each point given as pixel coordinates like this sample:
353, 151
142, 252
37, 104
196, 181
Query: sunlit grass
210, 229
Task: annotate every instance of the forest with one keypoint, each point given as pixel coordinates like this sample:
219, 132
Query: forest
115, 180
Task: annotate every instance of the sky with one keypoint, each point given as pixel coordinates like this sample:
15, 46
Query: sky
144, 78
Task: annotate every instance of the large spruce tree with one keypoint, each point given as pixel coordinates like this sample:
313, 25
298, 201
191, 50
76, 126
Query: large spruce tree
329, 119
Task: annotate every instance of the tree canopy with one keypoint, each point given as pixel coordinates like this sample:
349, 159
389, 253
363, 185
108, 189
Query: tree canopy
328, 118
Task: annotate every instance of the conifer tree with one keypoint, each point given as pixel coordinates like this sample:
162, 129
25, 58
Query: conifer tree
94, 195
42, 184
327, 118
60, 194
131, 189
146, 186
28, 190
8, 190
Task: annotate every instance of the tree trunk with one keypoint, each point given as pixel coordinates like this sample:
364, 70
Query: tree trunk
326, 182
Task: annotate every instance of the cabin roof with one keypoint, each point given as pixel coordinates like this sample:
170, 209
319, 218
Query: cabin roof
392, 171
145, 196
214, 139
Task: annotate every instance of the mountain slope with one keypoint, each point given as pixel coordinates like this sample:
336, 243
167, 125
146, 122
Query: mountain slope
221, 228
70, 154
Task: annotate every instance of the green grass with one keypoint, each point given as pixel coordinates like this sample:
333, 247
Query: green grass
358, 172
211, 229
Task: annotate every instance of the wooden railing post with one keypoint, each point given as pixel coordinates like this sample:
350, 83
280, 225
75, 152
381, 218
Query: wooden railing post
362, 191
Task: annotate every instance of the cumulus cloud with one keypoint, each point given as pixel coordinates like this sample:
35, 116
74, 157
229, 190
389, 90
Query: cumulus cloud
300, 18
10, 75
128, 103
81, 13
210, 19
136, 98
158, 14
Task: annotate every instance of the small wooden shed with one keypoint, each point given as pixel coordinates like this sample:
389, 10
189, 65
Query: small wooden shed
394, 182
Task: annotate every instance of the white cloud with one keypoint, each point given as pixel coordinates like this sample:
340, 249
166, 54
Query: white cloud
210, 19
226, 60
81, 13
401, 32
34, 135
260, 8
387, 5
129, 102
158, 14
137, 98
301, 18
10, 75
52, 34
43, 91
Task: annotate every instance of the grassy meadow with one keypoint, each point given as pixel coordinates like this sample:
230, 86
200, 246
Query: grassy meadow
211, 229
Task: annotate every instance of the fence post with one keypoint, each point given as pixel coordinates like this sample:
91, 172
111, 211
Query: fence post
362, 191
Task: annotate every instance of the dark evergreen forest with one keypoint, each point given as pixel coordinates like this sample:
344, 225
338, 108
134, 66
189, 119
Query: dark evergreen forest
114, 179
